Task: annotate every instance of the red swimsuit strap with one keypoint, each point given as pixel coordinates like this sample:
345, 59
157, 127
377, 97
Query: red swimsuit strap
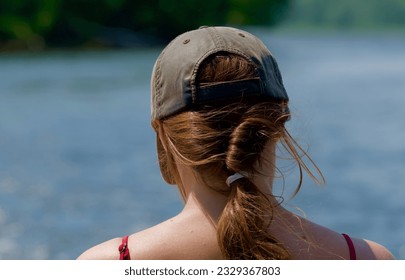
123, 249
352, 250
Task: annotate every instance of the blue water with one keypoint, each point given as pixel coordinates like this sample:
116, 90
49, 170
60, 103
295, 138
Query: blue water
77, 154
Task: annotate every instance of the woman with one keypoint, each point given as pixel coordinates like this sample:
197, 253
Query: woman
219, 110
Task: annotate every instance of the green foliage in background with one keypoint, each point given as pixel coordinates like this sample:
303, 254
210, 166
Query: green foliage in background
75, 22
348, 14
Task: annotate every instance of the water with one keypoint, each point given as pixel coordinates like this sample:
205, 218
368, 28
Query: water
77, 154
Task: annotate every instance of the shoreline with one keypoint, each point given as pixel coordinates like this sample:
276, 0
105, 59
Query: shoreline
132, 40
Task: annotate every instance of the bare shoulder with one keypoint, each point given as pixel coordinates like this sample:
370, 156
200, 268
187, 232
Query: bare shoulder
370, 250
107, 250
177, 238
150, 243
330, 244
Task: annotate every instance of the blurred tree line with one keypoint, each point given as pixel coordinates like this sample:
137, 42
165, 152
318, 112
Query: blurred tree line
347, 14
36, 24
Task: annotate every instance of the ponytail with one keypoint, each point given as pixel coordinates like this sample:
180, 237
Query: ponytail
242, 229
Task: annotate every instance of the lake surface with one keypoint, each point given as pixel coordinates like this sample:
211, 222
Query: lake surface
77, 154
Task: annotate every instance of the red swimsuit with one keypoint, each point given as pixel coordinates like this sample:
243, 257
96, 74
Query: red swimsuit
123, 249
352, 250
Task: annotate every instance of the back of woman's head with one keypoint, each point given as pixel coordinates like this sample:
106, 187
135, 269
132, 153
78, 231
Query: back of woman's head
219, 140
231, 136
224, 136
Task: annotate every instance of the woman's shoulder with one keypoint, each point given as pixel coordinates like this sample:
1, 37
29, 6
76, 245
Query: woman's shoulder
370, 250
141, 245
329, 244
182, 237
107, 250
175, 238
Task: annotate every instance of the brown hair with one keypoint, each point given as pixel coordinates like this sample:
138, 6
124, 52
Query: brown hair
219, 140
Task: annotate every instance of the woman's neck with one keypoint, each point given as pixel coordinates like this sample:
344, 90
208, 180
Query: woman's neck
211, 202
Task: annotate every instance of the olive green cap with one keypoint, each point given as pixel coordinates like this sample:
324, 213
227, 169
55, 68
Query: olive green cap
174, 87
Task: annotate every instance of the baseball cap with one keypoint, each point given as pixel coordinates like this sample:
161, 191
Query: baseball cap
173, 84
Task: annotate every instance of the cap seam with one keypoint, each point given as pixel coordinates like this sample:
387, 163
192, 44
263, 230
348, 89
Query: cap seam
219, 44
218, 41
158, 82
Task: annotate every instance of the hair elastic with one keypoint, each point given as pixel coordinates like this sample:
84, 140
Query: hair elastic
233, 178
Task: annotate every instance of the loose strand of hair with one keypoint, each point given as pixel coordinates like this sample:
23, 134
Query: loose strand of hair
291, 146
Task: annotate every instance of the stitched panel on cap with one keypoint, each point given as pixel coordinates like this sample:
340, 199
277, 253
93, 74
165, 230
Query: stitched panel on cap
158, 88
157, 98
219, 42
